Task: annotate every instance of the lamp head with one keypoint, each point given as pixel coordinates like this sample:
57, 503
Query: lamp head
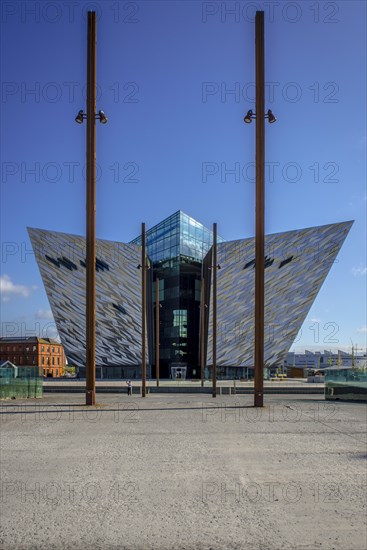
248, 117
102, 117
271, 117
80, 117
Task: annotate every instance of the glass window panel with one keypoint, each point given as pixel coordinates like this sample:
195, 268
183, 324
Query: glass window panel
199, 233
185, 228
158, 234
191, 251
185, 250
192, 230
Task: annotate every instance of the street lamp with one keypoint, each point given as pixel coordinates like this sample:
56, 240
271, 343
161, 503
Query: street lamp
90, 116
260, 117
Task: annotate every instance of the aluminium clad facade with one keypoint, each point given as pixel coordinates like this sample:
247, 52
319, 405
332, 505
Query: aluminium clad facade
179, 250
296, 265
61, 260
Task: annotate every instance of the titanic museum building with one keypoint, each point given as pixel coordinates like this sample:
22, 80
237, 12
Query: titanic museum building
179, 251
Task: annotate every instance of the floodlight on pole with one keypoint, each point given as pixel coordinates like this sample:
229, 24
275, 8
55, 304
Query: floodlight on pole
101, 116
250, 116
259, 314
90, 116
80, 117
271, 118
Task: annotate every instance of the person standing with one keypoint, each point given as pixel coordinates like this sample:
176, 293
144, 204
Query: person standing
129, 386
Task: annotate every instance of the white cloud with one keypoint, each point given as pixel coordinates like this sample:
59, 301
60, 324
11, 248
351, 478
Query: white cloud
359, 271
8, 289
44, 314
362, 329
51, 332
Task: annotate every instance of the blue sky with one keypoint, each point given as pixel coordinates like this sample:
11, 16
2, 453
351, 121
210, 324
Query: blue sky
175, 79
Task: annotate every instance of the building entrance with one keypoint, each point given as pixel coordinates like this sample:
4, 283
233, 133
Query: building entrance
178, 372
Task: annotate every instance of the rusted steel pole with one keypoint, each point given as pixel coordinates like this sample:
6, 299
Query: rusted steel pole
214, 271
91, 215
202, 333
260, 210
157, 305
143, 311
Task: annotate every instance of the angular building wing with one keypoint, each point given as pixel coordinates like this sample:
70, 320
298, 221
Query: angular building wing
61, 259
296, 264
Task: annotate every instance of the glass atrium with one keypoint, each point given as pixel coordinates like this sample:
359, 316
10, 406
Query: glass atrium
176, 247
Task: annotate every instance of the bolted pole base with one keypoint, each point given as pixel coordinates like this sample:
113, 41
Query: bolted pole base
259, 399
90, 397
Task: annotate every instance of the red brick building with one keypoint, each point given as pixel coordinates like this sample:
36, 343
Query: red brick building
34, 351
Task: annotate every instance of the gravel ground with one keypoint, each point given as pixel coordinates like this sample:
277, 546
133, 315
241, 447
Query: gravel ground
183, 472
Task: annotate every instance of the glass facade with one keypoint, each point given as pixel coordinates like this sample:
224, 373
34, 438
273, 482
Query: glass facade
178, 235
176, 247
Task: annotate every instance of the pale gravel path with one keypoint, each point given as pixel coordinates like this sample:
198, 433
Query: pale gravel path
183, 473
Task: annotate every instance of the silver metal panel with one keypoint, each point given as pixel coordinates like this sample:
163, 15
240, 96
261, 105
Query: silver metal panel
60, 258
290, 290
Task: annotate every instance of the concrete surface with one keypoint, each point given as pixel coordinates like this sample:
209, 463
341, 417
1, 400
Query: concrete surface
183, 472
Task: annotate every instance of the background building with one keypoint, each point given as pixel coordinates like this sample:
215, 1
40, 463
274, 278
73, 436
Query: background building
318, 360
179, 253
33, 351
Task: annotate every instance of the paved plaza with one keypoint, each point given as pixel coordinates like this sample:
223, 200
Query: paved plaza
183, 472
